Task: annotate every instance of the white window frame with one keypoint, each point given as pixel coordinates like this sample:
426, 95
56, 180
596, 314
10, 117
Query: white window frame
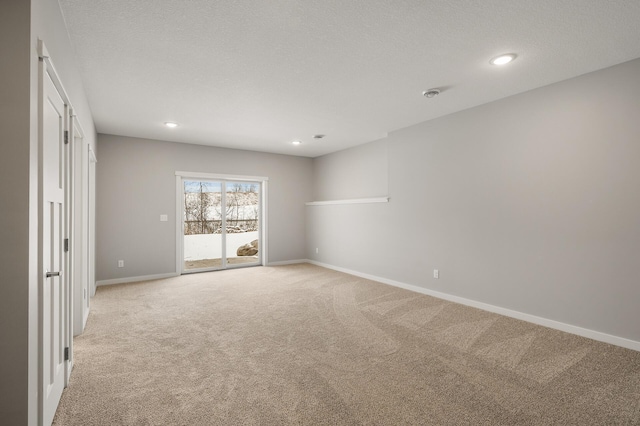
263, 253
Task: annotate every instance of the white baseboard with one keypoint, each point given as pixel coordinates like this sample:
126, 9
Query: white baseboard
135, 279
288, 262
568, 328
173, 274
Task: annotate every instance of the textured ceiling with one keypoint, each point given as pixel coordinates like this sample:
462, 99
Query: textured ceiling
258, 74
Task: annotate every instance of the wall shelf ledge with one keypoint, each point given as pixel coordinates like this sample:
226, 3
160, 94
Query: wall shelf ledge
350, 201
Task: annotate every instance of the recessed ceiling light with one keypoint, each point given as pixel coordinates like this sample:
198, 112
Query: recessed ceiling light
503, 59
296, 142
171, 124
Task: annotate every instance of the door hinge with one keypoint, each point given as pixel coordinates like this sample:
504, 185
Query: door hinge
66, 137
66, 354
66, 244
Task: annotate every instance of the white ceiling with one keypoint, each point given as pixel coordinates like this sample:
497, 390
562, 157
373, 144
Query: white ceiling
258, 74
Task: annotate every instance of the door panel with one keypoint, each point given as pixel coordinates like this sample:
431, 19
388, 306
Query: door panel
202, 215
53, 292
242, 223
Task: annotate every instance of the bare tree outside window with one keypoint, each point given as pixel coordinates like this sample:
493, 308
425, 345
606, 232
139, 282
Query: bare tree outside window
203, 208
198, 201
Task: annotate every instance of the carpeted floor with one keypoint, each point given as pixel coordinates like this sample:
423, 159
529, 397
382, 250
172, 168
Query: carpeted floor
305, 345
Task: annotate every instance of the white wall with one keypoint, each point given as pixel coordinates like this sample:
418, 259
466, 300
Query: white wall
22, 23
136, 184
530, 203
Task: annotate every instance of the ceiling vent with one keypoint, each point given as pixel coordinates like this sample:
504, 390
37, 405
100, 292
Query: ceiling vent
431, 93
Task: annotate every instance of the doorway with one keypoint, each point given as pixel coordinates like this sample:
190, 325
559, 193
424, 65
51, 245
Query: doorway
54, 221
221, 222
83, 160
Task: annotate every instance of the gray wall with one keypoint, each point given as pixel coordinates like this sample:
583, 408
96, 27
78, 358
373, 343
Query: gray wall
22, 23
136, 184
14, 209
359, 172
530, 203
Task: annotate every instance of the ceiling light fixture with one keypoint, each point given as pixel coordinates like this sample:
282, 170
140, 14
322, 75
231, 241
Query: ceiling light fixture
318, 136
171, 124
296, 142
503, 59
431, 93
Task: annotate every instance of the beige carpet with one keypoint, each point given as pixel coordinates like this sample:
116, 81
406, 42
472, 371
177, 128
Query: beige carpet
305, 345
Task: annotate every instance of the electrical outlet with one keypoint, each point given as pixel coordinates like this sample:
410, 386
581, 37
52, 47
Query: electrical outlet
120, 263
436, 273
316, 250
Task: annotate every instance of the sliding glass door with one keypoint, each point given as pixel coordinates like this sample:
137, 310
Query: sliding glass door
220, 224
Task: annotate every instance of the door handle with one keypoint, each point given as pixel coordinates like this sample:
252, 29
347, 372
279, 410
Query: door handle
53, 274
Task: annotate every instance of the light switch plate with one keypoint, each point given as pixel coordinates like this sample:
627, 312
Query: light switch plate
164, 218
